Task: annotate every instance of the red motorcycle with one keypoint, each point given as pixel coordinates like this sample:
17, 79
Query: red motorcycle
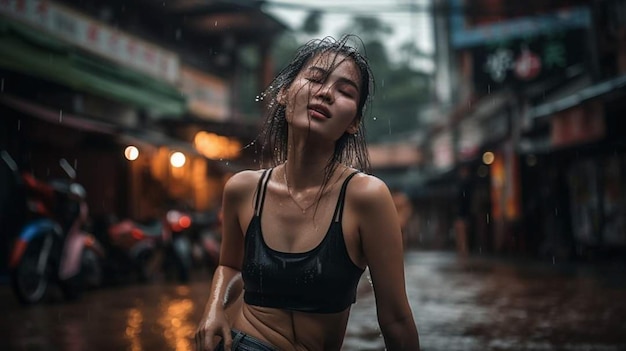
178, 250
145, 249
50, 245
131, 248
206, 240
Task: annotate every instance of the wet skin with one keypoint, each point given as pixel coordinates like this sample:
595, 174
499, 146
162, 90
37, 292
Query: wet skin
321, 105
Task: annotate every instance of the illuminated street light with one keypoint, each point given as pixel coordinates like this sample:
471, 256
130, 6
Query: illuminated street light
488, 158
131, 153
177, 159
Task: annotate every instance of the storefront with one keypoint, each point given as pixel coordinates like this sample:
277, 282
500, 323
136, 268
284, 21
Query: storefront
581, 207
78, 89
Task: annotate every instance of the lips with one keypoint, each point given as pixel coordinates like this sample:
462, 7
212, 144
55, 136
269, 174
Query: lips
320, 110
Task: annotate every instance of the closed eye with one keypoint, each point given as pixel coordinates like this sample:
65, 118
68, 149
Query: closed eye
348, 90
314, 79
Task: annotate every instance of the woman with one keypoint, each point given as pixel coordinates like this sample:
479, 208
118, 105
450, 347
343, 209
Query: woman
299, 235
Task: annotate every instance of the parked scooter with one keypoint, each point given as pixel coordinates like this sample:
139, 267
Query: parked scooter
206, 240
51, 246
178, 254
141, 250
132, 248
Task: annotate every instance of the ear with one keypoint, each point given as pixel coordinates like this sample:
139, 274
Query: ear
353, 128
281, 97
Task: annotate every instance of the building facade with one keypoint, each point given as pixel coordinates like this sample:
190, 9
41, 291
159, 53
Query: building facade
124, 90
530, 105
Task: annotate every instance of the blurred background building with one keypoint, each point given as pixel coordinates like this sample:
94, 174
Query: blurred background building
516, 129
87, 80
530, 99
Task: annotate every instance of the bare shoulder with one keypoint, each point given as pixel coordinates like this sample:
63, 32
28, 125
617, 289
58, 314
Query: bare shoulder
242, 183
367, 190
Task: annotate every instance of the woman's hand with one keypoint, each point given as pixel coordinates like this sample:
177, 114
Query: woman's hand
210, 329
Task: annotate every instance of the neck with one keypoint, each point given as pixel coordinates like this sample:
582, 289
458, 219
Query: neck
306, 164
303, 174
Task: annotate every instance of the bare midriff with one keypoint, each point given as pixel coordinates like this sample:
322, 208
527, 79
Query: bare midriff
293, 330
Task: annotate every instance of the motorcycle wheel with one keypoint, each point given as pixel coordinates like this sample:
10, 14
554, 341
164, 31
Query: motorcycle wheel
181, 248
91, 269
29, 283
89, 276
145, 265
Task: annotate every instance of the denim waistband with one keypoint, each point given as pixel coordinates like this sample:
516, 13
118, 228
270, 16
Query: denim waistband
245, 342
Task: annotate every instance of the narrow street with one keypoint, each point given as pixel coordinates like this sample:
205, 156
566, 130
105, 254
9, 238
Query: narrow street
471, 304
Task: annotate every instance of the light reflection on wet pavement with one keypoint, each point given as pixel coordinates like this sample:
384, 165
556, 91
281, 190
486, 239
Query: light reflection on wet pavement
470, 304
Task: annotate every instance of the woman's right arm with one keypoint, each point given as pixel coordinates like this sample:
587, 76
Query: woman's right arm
226, 285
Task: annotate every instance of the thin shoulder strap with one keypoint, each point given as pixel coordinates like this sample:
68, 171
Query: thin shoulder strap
342, 198
261, 190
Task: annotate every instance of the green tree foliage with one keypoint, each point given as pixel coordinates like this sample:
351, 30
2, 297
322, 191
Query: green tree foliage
311, 24
399, 90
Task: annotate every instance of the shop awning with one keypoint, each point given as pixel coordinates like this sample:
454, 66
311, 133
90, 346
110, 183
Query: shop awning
34, 53
143, 137
46, 114
582, 95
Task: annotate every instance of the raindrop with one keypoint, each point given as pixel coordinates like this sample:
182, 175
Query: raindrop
216, 23
178, 33
60, 116
19, 124
488, 88
553, 260
374, 118
487, 215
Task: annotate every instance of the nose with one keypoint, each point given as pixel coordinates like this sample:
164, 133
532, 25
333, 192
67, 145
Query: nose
325, 93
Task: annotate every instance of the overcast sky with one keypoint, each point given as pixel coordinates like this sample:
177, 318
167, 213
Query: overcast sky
407, 25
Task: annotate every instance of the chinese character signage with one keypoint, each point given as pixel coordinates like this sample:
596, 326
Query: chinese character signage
95, 37
479, 22
523, 61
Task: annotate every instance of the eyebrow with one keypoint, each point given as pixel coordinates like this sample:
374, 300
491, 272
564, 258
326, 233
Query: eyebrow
326, 73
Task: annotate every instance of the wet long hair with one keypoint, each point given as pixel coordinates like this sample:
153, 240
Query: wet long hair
350, 149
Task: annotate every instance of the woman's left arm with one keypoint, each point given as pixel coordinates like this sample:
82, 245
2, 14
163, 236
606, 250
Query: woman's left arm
381, 240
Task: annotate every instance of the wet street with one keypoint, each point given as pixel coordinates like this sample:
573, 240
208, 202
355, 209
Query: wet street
477, 303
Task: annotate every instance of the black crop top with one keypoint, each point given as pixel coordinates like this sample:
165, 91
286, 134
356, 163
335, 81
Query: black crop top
321, 280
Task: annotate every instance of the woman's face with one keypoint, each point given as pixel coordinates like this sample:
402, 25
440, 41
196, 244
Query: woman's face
324, 99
